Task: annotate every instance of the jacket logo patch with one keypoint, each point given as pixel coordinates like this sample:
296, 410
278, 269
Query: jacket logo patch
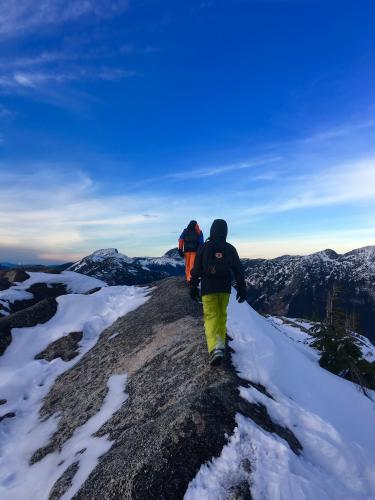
218, 255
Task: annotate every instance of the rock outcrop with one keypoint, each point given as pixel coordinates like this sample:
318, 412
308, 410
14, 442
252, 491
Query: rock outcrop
16, 276
4, 283
39, 291
65, 348
179, 412
30, 316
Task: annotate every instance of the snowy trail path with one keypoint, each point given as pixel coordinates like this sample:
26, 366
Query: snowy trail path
333, 421
25, 381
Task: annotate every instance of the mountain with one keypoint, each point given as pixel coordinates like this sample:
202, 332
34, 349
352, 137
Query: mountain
295, 286
6, 265
117, 269
106, 393
47, 268
298, 286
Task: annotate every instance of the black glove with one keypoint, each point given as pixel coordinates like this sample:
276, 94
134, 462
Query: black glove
241, 293
194, 292
181, 252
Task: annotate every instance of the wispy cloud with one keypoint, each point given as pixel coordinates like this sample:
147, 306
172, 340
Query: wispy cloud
342, 184
211, 171
222, 169
38, 59
63, 212
36, 79
20, 17
29, 72
339, 131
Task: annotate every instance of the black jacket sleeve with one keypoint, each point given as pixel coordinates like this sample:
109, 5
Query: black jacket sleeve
237, 269
196, 272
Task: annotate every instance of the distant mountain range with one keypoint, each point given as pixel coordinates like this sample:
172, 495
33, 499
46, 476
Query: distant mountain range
7, 265
298, 286
4, 266
117, 269
292, 286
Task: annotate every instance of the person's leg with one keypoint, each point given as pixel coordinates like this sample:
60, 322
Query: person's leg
211, 315
186, 265
190, 259
222, 321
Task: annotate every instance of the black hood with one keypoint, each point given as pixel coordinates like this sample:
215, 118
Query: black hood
192, 225
219, 230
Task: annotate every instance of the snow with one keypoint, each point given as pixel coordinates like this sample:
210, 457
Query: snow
356, 268
160, 261
101, 256
294, 332
333, 421
75, 282
25, 381
367, 348
13, 294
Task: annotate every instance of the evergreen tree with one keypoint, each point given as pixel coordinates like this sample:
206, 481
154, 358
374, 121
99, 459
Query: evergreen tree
339, 347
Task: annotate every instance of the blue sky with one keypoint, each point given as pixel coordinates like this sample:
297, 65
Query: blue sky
122, 120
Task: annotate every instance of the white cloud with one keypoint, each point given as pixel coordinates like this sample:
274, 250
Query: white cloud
201, 173
35, 80
343, 184
62, 212
19, 17
38, 59
222, 169
339, 131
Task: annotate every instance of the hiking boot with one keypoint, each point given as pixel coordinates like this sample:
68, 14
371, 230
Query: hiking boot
216, 357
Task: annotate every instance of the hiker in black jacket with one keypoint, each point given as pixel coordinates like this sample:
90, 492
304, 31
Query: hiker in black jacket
216, 265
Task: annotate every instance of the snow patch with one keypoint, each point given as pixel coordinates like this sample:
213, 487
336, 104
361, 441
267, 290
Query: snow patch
25, 381
332, 420
13, 294
74, 282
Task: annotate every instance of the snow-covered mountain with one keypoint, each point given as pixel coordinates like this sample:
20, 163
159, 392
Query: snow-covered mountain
109, 395
117, 269
289, 285
298, 286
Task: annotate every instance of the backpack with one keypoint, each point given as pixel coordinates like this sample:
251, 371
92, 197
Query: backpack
191, 240
217, 261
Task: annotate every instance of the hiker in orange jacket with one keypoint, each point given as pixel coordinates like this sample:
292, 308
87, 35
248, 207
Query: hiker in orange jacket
190, 240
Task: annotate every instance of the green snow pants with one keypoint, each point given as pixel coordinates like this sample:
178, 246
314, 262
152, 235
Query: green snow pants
215, 319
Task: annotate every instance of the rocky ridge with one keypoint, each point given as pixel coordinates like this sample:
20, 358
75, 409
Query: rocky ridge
173, 413
179, 412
